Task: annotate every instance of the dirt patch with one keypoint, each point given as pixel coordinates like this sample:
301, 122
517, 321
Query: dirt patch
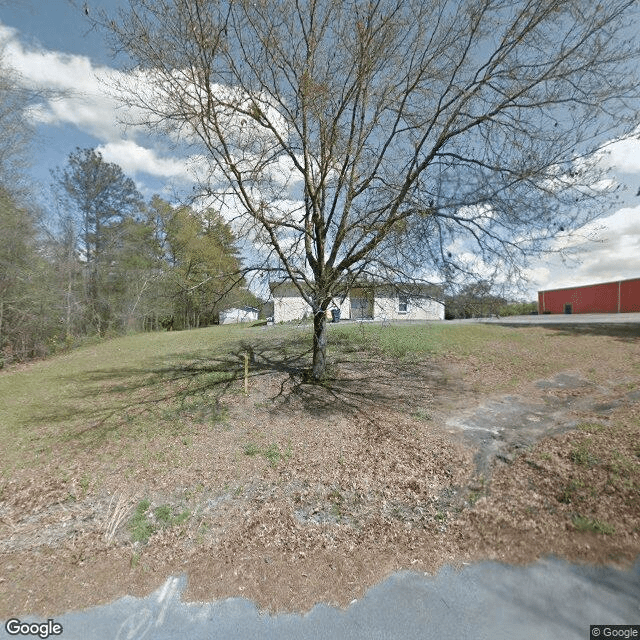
302, 494
502, 426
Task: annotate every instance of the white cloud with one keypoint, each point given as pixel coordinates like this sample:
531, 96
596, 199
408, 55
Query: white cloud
75, 86
76, 91
81, 98
134, 159
623, 155
612, 253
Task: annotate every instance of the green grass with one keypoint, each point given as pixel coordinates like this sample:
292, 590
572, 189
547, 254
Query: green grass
405, 340
272, 454
166, 517
582, 523
144, 523
422, 414
590, 427
583, 455
139, 387
571, 492
140, 526
251, 449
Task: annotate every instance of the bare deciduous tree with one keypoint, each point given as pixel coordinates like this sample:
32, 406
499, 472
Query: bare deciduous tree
395, 138
16, 135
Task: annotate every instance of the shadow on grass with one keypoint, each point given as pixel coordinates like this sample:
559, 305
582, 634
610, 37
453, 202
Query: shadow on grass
358, 378
167, 395
623, 332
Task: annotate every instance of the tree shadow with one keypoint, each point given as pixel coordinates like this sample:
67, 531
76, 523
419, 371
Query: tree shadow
625, 332
162, 393
355, 380
357, 386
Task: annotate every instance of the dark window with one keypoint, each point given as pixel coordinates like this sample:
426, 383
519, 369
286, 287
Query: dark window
403, 304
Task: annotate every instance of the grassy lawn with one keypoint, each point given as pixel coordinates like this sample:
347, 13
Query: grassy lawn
135, 387
153, 386
142, 455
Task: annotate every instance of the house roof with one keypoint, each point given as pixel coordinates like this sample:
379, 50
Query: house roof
245, 309
429, 290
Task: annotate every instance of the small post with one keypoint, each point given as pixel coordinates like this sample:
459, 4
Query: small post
246, 374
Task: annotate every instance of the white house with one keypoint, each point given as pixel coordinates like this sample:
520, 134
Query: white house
366, 301
244, 314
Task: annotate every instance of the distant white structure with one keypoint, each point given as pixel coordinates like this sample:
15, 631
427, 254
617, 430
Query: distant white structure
364, 302
235, 315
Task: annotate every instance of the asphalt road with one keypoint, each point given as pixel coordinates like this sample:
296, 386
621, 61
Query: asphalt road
556, 319
549, 600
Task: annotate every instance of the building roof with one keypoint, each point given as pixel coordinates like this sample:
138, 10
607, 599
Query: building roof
591, 284
434, 288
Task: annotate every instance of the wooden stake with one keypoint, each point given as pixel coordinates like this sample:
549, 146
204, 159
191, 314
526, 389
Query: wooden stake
246, 374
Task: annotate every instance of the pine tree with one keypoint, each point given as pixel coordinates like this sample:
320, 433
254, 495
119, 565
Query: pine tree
100, 198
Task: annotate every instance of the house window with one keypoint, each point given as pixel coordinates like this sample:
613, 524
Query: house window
403, 304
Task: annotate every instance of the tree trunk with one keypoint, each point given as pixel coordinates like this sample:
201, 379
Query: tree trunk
68, 309
319, 346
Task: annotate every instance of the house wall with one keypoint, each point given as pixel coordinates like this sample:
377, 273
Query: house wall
232, 316
386, 308
288, 305
433, 309
609, 297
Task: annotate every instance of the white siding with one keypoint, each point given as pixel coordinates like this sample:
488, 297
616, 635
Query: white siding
231, 316
288, 305
432, 309
386, 308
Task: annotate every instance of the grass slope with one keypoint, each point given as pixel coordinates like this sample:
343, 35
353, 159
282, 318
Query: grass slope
143, 386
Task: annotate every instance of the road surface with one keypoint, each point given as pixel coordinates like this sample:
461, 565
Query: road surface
548, 600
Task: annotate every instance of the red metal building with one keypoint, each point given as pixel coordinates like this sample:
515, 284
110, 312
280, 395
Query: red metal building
622, 296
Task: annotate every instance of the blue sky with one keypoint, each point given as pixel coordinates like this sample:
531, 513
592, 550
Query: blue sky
51, 46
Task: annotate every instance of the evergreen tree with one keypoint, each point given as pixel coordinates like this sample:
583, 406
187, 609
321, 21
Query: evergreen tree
101, 198
205, 269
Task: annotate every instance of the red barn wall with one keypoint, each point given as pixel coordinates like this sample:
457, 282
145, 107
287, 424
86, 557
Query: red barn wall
609, 297
630, 296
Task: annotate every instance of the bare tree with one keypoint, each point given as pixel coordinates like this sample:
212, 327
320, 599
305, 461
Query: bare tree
394, 138
17, 133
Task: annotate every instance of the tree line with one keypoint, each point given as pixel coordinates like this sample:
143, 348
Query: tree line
479, 300
102, 260
409, 141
